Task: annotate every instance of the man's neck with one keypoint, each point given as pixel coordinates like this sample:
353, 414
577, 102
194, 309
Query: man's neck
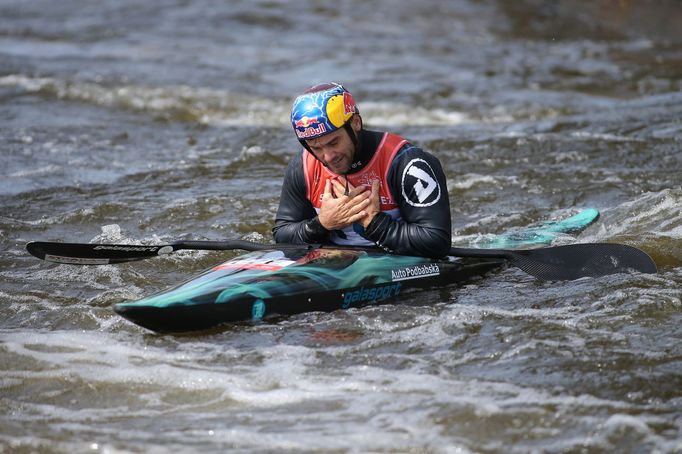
368, 142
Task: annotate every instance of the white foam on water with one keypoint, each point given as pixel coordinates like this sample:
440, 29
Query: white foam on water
251, 152
256, 237
100, 277
470, 180
97, 357
603, 137
181, 203
50, 168
387, 114
193, 153
63, 218
111, 232
484, 223
217, 107
651, 214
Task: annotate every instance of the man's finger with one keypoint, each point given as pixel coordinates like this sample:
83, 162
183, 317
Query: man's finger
375, 188
357, 217
356, 208
327, 189
339, 188
357, 191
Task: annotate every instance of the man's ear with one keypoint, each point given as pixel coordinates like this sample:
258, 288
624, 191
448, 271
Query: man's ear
356, 123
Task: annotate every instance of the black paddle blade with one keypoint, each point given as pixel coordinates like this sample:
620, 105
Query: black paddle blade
581, 260
93, 254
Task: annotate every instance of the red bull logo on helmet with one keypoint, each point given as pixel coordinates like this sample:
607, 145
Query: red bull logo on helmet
306, 122
309, 127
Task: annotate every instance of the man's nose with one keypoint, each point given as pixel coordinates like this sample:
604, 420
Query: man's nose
328, 153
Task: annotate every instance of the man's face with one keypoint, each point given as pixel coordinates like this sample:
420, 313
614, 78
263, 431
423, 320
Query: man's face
336, 150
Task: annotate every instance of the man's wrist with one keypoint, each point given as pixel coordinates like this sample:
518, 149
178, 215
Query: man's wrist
314, 230
366, 221
378, 223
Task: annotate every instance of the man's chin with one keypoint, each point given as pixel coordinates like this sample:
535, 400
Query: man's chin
338, 169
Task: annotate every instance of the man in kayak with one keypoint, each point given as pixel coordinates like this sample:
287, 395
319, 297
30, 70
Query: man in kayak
352, 186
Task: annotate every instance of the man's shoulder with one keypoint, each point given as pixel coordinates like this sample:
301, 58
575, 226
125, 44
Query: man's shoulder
294, 171
297, 158
409, 152
295, 165
412, 165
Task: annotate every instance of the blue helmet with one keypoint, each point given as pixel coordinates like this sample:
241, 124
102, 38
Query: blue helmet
322, 109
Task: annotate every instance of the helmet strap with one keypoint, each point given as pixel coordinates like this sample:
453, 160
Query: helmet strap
305, 145
351, 134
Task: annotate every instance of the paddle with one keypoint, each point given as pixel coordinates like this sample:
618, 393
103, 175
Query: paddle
102, 254
552, 263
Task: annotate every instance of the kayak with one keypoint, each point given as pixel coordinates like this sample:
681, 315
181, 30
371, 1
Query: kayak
265, 283
289, 281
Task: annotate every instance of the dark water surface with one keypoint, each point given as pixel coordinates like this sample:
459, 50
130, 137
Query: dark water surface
150, 121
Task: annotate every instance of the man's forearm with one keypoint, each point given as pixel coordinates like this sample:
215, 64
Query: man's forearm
308, 231
411, 239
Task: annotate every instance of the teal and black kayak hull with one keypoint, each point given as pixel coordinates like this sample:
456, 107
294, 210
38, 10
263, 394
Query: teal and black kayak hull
291, 281
267, 283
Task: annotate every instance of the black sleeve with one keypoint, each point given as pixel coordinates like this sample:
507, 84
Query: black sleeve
296, 221
417, 183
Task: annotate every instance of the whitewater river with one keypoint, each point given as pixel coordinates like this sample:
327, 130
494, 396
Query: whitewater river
127, 121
